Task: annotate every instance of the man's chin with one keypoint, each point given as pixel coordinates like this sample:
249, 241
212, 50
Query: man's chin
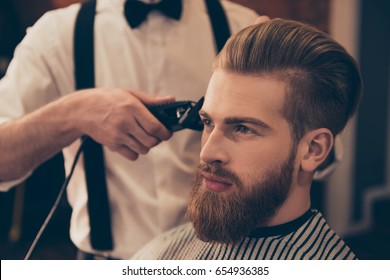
217, 217
217, 226
219, 236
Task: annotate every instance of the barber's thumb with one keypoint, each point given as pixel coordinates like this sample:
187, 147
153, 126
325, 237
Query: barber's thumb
150, 99
161, 99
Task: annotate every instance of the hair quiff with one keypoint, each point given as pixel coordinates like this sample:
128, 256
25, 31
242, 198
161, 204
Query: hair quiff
323, 80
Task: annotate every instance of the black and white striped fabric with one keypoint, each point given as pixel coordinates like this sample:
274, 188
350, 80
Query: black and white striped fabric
308, 237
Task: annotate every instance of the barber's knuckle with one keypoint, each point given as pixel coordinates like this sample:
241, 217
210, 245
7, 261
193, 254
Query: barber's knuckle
167, 135
138, 147
155, 128
144, 150
121, 122
134, 105
112, 147
116, 137
151, 142
133, 156
127, 153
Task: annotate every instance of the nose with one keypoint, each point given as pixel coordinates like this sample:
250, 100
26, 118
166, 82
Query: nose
214, 147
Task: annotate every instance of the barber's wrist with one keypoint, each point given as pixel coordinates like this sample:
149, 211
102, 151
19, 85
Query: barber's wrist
66, 115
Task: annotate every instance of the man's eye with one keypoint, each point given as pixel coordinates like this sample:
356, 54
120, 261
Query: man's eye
243, 129
206, 122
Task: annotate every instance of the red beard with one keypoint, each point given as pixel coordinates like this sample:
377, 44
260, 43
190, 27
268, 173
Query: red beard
229, 216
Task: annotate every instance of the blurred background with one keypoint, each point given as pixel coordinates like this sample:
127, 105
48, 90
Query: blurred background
355, 199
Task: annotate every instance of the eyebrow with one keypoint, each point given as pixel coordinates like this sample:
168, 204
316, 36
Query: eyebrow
240, 120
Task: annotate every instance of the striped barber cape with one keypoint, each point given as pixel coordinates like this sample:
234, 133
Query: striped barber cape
305, 238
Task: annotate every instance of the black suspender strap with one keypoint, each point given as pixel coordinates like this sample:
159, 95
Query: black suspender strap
98, 206
219, 23
84, 46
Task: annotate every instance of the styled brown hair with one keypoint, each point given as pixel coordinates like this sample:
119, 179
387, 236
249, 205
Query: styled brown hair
323, 80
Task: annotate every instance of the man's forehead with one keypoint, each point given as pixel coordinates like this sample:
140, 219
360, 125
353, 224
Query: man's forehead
231, 94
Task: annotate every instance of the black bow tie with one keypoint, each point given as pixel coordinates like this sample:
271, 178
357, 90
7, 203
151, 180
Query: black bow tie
137, 11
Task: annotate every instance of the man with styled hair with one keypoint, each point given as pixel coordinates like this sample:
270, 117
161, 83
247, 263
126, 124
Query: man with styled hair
280, 93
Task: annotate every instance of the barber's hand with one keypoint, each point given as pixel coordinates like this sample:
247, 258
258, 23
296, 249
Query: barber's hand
118, 119
262, 19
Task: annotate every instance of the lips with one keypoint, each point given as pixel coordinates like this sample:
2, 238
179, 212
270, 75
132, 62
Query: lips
215, 184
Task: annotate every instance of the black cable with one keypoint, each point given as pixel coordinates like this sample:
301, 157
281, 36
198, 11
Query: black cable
56, 203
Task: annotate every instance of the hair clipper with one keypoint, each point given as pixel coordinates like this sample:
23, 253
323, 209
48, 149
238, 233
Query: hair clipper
179, 115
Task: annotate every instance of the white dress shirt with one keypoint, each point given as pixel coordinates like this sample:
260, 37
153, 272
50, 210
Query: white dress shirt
162, 57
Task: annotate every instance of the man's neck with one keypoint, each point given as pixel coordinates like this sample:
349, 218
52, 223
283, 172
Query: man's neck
296, 204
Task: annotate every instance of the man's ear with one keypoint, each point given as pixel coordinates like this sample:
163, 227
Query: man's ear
317, 145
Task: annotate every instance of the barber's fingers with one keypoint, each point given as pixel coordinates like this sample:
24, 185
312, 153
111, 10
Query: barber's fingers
131, 117
147, 128
151, 99
129, 147
136, 135
142, 130
262, 19
152, 130
126, 152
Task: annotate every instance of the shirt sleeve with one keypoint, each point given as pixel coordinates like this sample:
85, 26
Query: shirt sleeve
40, 71
42, 67
239, 16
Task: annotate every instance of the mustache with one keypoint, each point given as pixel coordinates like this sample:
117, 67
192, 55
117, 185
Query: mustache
218, 171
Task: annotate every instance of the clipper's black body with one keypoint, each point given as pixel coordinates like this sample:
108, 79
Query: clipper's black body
179, 115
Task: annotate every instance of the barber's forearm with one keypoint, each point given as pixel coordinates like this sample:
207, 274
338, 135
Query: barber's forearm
27, 142
116, 118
